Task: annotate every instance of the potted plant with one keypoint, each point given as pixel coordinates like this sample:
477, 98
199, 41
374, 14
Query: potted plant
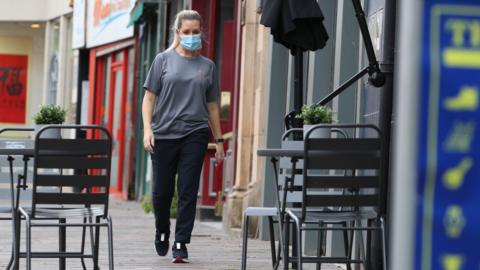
49, 115
313, 115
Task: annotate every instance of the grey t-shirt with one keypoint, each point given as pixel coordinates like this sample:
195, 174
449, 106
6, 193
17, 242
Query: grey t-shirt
184, 86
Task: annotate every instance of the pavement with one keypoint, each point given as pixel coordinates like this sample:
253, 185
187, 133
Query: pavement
210, 248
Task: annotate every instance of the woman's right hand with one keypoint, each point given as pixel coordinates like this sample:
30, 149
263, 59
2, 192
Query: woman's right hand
148, 140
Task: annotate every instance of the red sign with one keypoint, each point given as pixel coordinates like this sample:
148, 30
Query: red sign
13, 88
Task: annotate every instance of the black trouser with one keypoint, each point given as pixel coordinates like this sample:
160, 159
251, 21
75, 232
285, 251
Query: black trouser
185, 157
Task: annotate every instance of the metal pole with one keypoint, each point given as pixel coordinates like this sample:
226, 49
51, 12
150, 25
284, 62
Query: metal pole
362, 23
404, 154
343, 87
298, 79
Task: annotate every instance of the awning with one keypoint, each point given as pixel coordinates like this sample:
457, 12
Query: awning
136, 13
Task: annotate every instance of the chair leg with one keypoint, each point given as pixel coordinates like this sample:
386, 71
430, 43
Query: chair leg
320, 245
272, 241
82, 248
62, 231
299, 242
110, 243
92, 238
96, 245
244, 242
29, 242
346, 243
278, 256
368, 253
352, 239
286, 242
384, 248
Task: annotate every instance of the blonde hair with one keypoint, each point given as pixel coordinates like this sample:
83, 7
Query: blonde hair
177, 24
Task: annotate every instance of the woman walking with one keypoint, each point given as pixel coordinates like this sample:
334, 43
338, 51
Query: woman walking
181, 100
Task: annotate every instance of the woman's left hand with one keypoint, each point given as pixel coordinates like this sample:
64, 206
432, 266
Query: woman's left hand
220, 154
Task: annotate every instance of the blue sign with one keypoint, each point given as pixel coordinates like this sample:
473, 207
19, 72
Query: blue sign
448, 199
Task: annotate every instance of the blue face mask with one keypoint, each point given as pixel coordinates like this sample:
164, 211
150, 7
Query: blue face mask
191, 42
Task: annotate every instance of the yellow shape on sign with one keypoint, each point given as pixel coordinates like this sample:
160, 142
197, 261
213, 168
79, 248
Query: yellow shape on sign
460, 137
453, 178
466, 100
454, 221
461, 58
452, 262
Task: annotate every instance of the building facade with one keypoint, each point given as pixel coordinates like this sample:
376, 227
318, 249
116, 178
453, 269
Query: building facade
35, 60
266, 93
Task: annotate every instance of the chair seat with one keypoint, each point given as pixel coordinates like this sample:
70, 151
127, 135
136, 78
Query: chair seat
261, 211
334, 216
64, 212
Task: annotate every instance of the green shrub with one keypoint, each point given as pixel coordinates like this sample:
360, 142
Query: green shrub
146, 203
50, 114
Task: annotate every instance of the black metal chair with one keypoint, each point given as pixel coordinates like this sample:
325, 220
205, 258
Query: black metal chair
82, 185
364, 201
290, 181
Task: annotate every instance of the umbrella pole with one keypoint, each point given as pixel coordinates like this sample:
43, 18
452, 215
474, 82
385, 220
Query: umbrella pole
298, 83
298, 80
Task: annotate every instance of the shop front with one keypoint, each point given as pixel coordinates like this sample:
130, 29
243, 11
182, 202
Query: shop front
111, 101
220, 27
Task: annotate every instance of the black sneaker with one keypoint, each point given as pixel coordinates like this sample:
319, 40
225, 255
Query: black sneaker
161, 243
179, 253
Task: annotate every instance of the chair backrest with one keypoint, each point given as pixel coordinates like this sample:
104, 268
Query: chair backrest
83, 165
360, 156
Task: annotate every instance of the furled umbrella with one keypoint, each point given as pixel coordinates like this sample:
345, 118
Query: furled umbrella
298, 25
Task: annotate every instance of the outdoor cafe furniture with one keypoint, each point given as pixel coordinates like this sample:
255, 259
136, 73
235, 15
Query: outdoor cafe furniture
289, 179
79, 192
365, 200
272, 213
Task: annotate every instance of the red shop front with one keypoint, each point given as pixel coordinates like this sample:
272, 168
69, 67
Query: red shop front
220, 19
111, 104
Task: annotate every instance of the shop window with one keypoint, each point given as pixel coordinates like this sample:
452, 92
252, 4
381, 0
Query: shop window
53, 72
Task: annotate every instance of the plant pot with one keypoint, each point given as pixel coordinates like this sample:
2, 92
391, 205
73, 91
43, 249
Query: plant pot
317, 133
51, 133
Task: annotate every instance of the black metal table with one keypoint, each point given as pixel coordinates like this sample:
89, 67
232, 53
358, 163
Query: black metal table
10, 148
274, 153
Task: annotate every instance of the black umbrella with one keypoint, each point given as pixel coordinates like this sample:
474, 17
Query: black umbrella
298, 25
295, 23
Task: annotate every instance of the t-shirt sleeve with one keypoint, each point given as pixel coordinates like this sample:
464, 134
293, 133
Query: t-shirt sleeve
213, 93
153, 82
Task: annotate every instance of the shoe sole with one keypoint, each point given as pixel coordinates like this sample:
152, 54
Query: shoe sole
179, 259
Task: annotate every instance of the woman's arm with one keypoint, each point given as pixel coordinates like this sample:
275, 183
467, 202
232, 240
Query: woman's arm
214, 120
147, 111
